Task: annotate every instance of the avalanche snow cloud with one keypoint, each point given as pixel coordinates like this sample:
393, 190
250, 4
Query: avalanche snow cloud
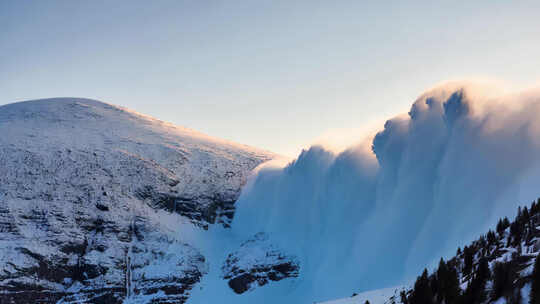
433, 179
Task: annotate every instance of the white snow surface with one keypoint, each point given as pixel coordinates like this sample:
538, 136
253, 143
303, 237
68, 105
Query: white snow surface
338, 213
378, 296
201, 163
71, 174
376, 216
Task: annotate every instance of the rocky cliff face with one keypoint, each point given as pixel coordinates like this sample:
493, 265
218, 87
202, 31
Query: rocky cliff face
256, 263
87, 195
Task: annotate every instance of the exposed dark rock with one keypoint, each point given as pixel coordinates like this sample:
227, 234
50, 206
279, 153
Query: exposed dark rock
261, 275
57, 269
89, 275
201, 210
102, 207
245, 270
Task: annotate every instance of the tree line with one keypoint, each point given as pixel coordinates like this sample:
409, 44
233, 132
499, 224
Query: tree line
492, 267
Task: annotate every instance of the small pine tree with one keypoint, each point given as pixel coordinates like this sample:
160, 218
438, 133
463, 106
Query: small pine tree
500, 227
504, 275
468, 259
535, 282
525, 214
452, 288
491, 237
533, 209
506, 222
516, 232
421, 293
434, 284
403, 296
442, 274
476, 290
483, 271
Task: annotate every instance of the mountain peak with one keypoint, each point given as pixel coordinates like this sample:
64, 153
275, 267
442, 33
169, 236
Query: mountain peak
89, 192
73, 118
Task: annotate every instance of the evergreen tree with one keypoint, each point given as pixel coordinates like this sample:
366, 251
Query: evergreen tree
468, 259
483, 271
516, 231
502, 225
403, 296
421, 294
482, 243
449, 290
452, 289
500, 228
442, 275
526, 215
434, 284
504, 275
476, 290
443, 286
515, 296
535, 282
491, 237
533, 208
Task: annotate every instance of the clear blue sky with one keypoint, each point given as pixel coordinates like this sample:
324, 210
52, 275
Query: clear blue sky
272, 74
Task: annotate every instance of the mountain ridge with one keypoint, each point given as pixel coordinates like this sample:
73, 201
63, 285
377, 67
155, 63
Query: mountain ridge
96, 201
46, 104
102, 203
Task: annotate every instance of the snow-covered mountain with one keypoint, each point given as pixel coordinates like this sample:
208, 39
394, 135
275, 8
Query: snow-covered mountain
99, 204
96, 202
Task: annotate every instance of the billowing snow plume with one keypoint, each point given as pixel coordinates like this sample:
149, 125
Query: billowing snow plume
435, 178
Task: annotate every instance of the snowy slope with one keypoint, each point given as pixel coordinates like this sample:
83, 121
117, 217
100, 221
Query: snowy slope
195, 162
379, 296
96, 202
100, 204
509, 254
376, 214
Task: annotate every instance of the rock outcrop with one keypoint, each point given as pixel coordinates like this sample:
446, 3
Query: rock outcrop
256, 263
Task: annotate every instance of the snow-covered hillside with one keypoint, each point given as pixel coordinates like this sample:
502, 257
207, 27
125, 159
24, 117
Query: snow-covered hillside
380, 296
92, 197
100, 204
499, 267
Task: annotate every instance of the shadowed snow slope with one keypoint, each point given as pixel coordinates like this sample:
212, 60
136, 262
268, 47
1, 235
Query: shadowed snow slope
434, 179
380, 296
